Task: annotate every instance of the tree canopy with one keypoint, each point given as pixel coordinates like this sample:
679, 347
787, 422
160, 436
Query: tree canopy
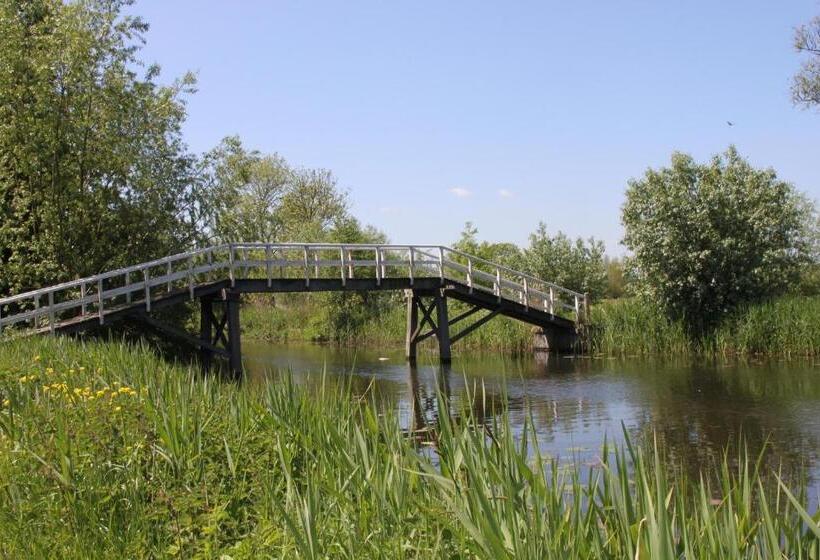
92, 161
577, 265
806, 83
260, 197
708, 237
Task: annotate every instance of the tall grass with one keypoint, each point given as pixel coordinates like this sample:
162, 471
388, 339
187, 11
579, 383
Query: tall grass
296, 318
178, 466
786, 326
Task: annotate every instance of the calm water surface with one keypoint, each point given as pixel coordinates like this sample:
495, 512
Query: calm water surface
695, 408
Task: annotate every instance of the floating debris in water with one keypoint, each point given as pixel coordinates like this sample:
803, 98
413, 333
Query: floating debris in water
383, 359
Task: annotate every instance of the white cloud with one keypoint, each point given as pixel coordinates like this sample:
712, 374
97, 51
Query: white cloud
505, 193
461, 193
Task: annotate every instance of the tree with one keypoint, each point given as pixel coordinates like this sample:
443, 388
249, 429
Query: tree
246, 191
259, 197
505, 254
806, 83
93, 171
709, 237
577, 265
313, 204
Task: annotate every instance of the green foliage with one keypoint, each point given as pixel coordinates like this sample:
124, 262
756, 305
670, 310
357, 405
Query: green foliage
174, 465
785, 326
709, 237
258, 197
806, 83
245, 189
616, 278
505, 254
577, 265
91, 156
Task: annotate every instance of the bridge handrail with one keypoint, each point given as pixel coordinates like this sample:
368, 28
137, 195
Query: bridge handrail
224, 256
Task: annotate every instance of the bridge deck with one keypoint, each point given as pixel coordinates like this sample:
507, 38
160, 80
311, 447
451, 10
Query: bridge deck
289, 267
452, 289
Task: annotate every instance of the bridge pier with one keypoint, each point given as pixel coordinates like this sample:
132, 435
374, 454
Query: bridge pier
429, 303
220, 329
548, 340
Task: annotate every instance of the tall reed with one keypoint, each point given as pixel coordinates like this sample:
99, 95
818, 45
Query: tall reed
107, 451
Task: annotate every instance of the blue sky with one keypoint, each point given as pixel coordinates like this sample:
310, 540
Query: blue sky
502, 113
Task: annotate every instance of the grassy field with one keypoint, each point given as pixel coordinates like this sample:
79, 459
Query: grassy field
788, 326
107, 451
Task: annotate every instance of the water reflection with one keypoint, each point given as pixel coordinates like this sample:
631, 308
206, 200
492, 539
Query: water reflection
696, 409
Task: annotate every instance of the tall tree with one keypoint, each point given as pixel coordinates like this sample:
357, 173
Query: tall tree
259, 197
93, 170
806, 83
708, 237
577, 265
246, 190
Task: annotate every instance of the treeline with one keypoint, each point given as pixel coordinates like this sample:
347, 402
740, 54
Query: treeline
95, 174
94, 170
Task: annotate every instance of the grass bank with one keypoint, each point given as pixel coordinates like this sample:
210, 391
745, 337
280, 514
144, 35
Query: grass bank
787, 326
107, 451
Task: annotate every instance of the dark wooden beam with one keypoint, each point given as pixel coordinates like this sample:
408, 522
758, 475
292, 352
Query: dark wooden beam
178, 334
470, 328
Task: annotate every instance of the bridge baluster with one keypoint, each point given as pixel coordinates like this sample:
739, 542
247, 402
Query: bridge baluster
378, 267
307, 275
191, 277
82, 297
146, 275
342, 267
441, 263
50, 310
100, 299
412, 264
231, 266
268, 266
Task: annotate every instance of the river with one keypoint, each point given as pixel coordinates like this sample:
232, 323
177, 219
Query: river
695, 408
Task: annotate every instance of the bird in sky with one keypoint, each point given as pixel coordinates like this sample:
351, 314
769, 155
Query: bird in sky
730, 123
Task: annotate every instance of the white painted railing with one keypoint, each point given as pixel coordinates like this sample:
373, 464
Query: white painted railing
142, 283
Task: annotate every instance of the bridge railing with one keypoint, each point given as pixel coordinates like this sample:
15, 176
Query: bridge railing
141, 284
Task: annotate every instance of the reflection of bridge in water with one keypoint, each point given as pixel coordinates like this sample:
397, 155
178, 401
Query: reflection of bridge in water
218, 276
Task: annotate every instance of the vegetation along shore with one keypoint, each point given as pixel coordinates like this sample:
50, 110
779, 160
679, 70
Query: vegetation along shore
109, 451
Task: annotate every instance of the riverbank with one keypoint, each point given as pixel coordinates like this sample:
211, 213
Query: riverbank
108, 451
788, 326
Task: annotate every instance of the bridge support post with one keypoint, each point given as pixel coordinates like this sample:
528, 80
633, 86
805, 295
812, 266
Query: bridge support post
443, 330
221, 330
234, 340
206, 326
433, 314
412, 326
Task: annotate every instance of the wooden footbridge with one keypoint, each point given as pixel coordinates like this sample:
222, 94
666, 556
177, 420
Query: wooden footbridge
217, 276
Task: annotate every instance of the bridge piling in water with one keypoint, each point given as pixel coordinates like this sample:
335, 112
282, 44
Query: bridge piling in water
429, 303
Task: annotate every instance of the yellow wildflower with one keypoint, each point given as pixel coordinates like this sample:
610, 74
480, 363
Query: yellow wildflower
49, 370
37, 358
6, 402
101, 393
117, 409
82, 369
